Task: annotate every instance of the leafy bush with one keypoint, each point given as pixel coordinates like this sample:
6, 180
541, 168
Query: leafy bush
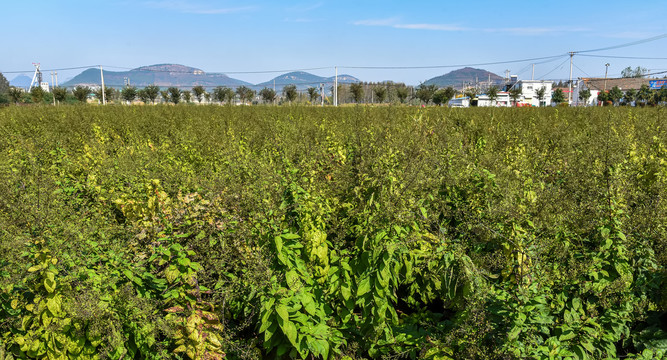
332, 233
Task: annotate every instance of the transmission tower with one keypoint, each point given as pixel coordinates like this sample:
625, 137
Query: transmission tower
37, 76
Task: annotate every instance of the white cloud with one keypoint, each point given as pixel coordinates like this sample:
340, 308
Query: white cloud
397, 24
194, 8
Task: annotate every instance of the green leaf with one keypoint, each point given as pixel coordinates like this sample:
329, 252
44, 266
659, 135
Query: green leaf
290, 331
567, 335
346, 291
588, 346
281, 310
50, 285
290, 236
364, 286
308, 304
279, 244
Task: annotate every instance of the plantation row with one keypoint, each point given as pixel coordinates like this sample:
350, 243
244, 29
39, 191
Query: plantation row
332, 233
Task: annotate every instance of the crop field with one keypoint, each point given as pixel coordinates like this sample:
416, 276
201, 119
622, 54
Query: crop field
296, 232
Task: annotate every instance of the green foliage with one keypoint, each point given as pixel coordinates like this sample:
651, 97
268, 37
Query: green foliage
357, 90
290, 93
192, 232
313, 94
380, 93
442, 96
37, 94
174, 95
245, 94
129, 93
81, 93
15, 94
425, 92
558, 97
402, 93
199, 92
149, 93
268, 95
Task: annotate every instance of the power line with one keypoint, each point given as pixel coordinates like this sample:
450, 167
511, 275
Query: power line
554, 69
624, 57
624, 45
447, 66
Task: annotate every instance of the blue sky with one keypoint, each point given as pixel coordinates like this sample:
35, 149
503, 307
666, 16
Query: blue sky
232, 36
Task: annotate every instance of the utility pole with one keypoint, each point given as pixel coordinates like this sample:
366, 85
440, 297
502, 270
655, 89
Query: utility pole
104, 98
532, 76
335, 92
53, 88
569, 96
322, 93
507, 75
56, 78
606, 67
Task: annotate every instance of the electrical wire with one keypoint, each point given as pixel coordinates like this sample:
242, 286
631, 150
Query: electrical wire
447, 66
554, 69
661, 36
623, 57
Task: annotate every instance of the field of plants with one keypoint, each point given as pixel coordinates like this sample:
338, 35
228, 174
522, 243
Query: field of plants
209, 232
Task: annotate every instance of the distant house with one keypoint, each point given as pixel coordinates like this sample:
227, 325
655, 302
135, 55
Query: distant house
529, 89
597, 85
502, 100
463, 101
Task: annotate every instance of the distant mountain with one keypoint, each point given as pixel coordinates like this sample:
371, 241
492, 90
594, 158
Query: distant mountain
304, 80
162, 75
456, 78
21, 81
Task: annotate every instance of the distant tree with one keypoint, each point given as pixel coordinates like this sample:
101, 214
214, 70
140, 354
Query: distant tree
174, 94
425, 92
380, 93
108, 93
187, 95
558, 96
207, 96
37, 94
129, 93
603, 97
149, 93
357, 90
312, 94
60, 93
164, 94
644, 94
541, 92
230, 95
615, 95
199, 92
290, 93
515, 94
442, 96
492, 93
245, 93
4, 84
402, 93
81, 93
638, 72
15, 94
219, 93
584, 95
267, 94
470, 93
660, 96
629, 96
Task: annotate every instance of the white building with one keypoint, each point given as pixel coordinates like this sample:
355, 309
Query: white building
529, 90
460, 102
502, 100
